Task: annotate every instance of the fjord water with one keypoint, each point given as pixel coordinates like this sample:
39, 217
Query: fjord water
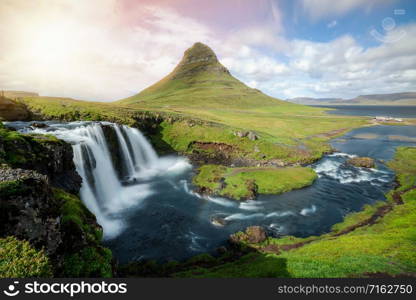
152, 212
372, 110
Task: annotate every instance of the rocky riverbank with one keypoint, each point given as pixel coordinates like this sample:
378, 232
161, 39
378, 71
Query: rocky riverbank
39, 204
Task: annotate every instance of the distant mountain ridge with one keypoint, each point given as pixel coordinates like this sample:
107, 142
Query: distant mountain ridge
403, 99
17, 94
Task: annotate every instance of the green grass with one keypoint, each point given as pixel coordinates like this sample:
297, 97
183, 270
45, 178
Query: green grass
253, 265
93, 260
238, 182
19, 259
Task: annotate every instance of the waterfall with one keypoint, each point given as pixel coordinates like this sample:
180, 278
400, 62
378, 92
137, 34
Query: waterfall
105, 191
102, 191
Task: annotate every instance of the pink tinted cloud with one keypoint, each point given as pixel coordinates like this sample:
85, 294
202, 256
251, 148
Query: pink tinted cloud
219, 15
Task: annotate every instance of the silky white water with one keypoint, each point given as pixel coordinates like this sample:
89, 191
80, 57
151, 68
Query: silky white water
103, 192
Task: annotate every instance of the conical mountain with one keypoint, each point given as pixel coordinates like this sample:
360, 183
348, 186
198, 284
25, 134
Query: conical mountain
200, 79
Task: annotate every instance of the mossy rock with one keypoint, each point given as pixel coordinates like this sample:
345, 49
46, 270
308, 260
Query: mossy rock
362, 162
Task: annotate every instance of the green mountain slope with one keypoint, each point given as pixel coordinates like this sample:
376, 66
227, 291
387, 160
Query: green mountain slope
198, 79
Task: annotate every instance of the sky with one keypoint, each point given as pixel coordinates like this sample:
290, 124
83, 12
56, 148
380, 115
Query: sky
105, 50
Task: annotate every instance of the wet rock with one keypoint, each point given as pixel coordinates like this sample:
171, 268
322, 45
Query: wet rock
39, 125
218, 221
362, 162
115, 150
47, 156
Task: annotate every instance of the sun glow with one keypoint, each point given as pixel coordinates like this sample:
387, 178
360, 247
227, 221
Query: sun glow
49, 45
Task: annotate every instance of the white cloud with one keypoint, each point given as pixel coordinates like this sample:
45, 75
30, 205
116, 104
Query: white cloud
339, 68
91, 50
88, 49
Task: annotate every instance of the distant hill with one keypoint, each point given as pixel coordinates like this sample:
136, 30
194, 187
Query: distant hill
17, 94
403, 99
200, 79
11, 110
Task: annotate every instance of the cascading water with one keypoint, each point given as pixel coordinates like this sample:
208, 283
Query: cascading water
103, 192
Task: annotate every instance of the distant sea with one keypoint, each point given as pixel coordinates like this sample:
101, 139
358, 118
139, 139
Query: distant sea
372, 110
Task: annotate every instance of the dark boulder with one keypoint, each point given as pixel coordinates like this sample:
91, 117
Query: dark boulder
39, 125
28, 210
44, 154
52, 220
218, 221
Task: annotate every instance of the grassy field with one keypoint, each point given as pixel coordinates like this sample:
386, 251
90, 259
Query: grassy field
245, 183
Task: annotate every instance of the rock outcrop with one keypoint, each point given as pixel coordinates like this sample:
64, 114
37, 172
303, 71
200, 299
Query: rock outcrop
362, 162
198, 58
29, 210
52, 220
36, 176
11, 110
249, 134
252, 235
44, 154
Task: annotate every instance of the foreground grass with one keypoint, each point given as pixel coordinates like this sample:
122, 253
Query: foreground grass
19, 259
245, 183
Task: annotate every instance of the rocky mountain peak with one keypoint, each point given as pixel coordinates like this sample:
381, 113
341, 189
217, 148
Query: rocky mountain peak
198, 58
199, 52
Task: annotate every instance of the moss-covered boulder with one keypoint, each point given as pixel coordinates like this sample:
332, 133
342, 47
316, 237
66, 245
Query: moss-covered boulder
44, 153
54, 221
37, 174
362, 162
252, 235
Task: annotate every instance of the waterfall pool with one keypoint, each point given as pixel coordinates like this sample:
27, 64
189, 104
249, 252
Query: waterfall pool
149, 210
